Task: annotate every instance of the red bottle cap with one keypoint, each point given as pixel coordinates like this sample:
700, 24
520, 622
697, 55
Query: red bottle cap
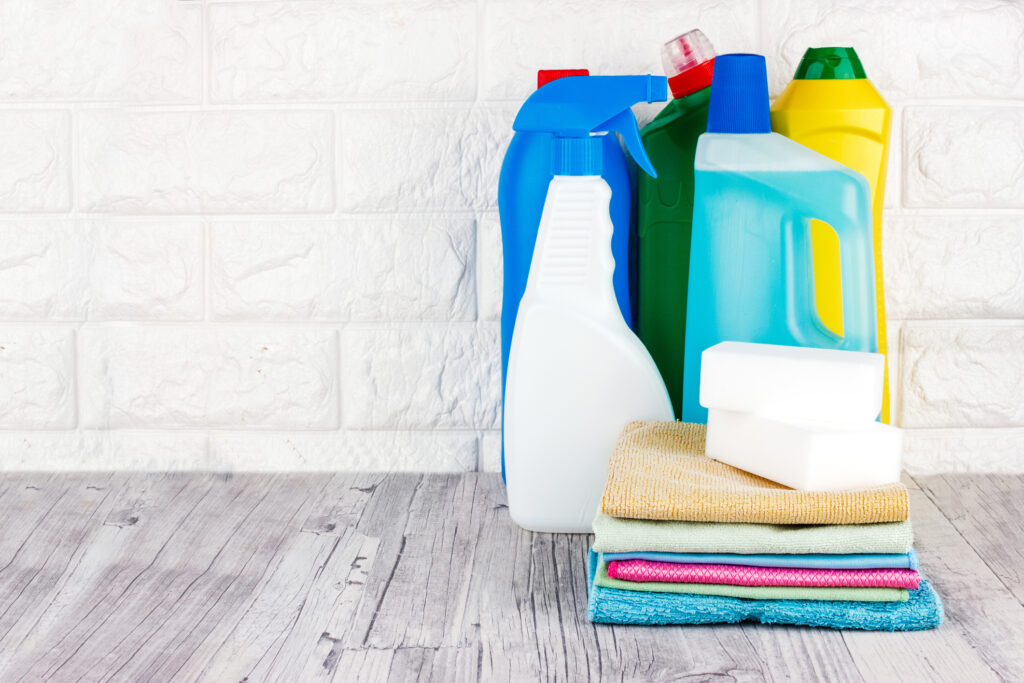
545, 76
689, 61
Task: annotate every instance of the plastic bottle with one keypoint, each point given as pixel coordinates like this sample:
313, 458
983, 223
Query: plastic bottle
755, 193
831, 107
577, 374
665, 206
522, 186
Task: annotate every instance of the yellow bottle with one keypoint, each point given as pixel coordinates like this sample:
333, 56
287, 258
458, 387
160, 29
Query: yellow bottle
831, 107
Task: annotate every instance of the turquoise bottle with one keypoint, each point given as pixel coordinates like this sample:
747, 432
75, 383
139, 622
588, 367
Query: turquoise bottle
755, 193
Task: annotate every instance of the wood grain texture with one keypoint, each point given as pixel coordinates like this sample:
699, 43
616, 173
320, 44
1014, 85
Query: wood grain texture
341, 577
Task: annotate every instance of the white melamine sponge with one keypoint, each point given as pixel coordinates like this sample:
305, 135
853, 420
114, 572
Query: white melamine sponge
791, 382
806, 455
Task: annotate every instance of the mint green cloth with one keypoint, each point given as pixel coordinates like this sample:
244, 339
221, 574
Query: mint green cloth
616, 535
753, 592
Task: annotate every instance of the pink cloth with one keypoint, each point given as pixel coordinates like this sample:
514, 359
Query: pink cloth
735, 575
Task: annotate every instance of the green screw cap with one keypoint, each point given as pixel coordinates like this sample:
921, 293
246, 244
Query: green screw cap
827, 63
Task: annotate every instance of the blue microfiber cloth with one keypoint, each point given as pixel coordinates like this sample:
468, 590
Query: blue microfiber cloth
901, 561
612, 606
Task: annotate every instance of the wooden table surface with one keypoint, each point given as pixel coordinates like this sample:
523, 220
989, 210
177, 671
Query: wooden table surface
404, 577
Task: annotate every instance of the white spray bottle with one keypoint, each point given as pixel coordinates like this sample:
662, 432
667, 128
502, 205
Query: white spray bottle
576, 374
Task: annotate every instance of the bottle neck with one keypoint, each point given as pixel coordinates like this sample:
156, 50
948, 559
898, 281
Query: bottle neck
578, 156
829, 63
692, 80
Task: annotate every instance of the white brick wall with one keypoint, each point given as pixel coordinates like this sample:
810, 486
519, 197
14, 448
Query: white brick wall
263, 235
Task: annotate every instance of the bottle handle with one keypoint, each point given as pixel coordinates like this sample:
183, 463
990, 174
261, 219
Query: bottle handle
857, 269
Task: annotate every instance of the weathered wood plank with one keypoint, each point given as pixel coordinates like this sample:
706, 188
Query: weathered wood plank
448, 664
366, 664
313, 586
976, 642
790, 653
423, 577
224, 580
416, 594
129, 610
530, 617
344, 502
62, 518
986, 510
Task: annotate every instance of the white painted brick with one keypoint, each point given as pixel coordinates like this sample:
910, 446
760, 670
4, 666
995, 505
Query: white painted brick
44, 271
343, 51
491, 267
414, 391
954, 267
368, 267
37, 378
64, 270
490, 451
963, 450
146, 271
36, 171
159, 376
605, 36
414, 159
962, 376
352, 451
963, 157
429, 378
114, 50
943, 48
105, 450
213, 162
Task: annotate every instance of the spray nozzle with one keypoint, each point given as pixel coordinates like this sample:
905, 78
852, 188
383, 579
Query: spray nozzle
578, 106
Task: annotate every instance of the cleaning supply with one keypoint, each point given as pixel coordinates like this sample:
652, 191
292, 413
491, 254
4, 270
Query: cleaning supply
804, 455
672, 572
659, 471
613, 534
750, 255
752, 592
522, 186
831, 107
664, 208
923, 609
576, 372
906, 560
792, 382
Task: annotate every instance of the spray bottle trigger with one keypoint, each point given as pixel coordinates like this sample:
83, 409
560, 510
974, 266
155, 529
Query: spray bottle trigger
624, 123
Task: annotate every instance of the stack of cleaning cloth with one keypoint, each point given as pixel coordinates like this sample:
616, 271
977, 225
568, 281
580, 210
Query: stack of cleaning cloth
684, 539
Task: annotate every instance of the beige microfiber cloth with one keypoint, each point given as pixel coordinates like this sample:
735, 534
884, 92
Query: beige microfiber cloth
659, 471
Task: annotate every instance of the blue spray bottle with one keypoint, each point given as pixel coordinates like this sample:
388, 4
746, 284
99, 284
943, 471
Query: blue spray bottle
576, 373
525, 175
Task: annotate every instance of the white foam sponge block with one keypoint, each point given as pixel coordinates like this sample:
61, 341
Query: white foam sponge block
804, 455
792, 382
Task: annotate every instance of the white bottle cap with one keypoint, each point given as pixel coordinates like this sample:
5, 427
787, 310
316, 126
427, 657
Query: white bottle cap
686, 51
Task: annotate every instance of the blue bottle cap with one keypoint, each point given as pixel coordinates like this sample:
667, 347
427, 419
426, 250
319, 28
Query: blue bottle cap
739, 95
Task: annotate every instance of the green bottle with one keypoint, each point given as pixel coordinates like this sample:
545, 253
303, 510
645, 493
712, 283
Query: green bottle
665, 207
